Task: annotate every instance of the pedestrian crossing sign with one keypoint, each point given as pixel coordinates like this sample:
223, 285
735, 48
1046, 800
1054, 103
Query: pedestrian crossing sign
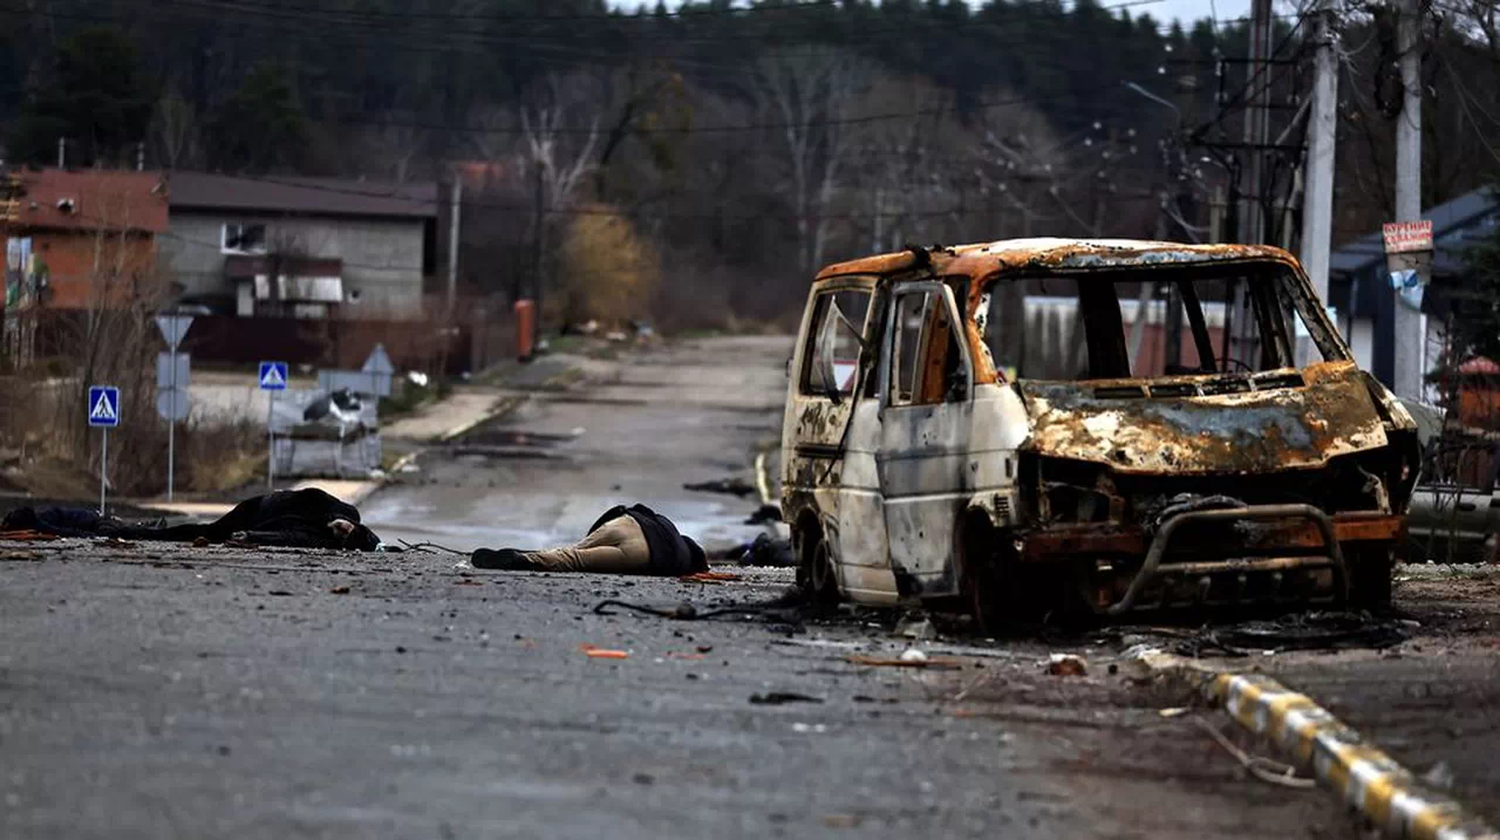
273, 376
104, 405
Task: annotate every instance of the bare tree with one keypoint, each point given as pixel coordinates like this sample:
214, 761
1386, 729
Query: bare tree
545, 142
808, 98
175, 133
392, 145
1020, 159
912, 165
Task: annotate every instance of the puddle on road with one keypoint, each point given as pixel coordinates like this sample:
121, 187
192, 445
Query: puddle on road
517, 437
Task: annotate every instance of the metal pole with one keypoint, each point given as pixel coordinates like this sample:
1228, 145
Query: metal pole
103, 465
270, 440
172, 425
1317, 200
1409, 338
454, 202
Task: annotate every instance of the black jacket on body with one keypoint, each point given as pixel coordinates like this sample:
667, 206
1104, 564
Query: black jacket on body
296, 518
672, 554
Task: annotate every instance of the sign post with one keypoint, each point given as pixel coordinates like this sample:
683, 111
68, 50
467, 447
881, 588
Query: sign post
272, 379
103, 412
171, 380
1408, 257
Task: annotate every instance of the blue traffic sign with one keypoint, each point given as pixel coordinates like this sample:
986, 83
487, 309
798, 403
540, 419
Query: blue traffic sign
273, 376
104, 405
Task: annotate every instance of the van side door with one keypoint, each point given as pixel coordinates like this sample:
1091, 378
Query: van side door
927, 416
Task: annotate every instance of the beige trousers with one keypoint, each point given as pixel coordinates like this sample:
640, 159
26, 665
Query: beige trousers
618, 547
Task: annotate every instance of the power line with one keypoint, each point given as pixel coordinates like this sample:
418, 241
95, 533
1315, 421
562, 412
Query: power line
685, 13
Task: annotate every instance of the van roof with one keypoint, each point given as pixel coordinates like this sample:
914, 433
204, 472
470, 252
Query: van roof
981, 259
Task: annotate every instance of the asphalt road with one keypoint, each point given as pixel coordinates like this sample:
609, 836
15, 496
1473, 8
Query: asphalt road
637, 430
244, 694
156, 692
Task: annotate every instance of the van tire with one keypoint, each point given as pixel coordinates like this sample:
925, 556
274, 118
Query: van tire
1370, 582
815, 573
993, 600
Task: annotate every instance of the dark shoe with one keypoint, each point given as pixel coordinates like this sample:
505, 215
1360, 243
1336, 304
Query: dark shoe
500, 558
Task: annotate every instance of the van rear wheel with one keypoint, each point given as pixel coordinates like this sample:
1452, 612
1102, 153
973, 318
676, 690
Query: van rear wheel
815, 572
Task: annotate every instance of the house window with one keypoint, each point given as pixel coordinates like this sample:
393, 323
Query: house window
244, 239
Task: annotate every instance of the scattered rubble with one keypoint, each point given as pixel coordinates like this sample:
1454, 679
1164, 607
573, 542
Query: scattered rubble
1067, 665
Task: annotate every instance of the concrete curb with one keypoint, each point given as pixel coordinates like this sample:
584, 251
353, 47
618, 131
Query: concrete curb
503, 406
1370, 782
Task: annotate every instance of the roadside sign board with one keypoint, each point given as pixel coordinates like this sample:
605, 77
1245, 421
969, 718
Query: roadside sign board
167, 376
173, 404
378, 362
1405, 237
104, 406
173, 328
272, 376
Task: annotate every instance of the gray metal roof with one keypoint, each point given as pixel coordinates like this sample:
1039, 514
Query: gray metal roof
301, 196
1449, 222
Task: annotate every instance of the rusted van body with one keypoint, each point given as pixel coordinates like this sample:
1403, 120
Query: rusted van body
935, 450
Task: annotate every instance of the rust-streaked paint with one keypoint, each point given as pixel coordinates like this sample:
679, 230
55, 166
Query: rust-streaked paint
1244, 432
985, 262
1208, 436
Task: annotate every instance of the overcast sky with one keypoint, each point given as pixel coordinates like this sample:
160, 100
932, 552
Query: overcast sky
1194, 9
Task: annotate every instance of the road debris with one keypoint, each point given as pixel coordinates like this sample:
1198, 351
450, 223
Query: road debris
595, 652
709, 577
913, 655
731, 486
916, 625
28, 535
915, 662
1265, 769
1067, 665
339, 590
781, 698
19, 555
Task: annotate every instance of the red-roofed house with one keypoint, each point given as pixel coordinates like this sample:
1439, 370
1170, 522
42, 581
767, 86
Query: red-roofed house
79, 239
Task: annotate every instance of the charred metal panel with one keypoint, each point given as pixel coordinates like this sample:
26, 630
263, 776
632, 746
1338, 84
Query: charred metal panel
1258, 431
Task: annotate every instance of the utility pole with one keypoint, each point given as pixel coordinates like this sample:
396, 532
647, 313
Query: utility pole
1257, 122
536, 240
1409, 325
1317, 204
455, 200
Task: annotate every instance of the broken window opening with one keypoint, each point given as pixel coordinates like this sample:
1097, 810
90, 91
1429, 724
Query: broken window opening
926, 361
1116, 325
835, 343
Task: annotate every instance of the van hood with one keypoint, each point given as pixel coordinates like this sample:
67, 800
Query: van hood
1268, 422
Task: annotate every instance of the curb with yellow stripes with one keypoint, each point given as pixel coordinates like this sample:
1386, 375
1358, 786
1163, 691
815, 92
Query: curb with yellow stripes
1368, 780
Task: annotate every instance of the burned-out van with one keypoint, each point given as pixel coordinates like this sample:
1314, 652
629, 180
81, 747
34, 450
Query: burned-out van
1110, 425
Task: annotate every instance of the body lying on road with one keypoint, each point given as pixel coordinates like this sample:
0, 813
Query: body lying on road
627, 541
308, 518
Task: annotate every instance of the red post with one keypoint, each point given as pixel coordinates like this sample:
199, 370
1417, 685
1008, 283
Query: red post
525, 328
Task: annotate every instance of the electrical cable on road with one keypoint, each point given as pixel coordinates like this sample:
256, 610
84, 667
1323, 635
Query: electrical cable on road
687, 612
1265, 769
